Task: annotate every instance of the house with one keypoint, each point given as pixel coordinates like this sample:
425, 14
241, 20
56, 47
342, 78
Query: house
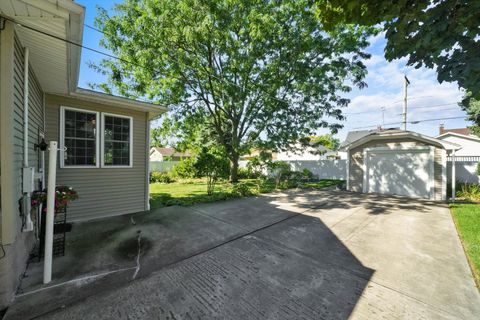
462, 131
462, 136
467, 158
103, 139
167, 154
400, 163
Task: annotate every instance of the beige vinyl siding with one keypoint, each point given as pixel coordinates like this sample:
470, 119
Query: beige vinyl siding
102, 191
356, 163
17, 118
17, 244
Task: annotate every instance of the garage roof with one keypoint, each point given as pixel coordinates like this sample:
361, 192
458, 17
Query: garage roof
399, 134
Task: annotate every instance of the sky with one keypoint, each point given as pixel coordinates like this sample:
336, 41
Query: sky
427, 99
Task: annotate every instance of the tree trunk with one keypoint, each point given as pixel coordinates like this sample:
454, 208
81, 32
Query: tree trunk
234, 168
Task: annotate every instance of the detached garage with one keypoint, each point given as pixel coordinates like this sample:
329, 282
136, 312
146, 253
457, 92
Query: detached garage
401, 163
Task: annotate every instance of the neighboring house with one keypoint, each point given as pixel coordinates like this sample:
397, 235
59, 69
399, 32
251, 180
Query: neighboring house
462, 131
470, 143
167, 154
103, 139
256, 153
467, 158
400, 163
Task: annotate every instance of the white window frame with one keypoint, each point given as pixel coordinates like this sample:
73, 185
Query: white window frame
62, 138
102, 141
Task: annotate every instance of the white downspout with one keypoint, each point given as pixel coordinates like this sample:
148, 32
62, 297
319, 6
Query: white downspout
147, 166
25, 109
27, 193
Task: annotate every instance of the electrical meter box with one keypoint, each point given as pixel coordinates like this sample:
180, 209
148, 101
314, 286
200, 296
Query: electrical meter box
28, 179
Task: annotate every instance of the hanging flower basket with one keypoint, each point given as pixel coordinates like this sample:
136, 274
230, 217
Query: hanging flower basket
63, 196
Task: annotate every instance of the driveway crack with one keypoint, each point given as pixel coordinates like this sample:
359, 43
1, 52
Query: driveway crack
137, 260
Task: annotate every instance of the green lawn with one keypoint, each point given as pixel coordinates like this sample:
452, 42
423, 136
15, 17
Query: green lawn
467, 220
195, 191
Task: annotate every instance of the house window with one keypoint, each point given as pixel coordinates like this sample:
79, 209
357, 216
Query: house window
117, 141
78, 138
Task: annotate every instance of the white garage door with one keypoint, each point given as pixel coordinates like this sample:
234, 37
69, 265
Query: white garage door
404, 172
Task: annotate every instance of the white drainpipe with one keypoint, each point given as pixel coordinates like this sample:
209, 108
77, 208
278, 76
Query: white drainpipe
25, 109
26, 173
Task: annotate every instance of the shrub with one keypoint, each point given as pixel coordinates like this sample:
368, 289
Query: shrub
469, 191
478, 168
212, 164
160, 177
248, 173
243, 189
307, 174
185, 169
280, 171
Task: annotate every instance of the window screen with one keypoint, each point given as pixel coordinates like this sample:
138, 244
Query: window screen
116, 135
80, 138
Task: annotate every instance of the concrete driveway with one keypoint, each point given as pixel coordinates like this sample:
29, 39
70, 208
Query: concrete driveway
295, 255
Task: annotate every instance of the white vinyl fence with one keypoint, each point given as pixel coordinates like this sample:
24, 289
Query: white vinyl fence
322, 169
465, 169
162, 166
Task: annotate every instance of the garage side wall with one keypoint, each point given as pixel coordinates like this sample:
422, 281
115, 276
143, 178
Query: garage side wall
102, 191
356, 163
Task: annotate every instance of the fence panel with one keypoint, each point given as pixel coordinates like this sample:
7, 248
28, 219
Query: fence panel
465, 170
162, 166
322, 169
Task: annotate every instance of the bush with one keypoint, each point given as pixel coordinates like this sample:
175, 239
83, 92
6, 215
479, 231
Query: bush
469, 191
243, 189
307, 174
248, 173
185, 169
212, 164
280, 171
160, 177
478, 169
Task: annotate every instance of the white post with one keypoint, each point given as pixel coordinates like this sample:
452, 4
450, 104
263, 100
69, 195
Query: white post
453, 176
405, 103
52, 168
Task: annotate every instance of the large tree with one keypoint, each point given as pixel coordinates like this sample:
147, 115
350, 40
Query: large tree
260, 72
441, 34
472, 108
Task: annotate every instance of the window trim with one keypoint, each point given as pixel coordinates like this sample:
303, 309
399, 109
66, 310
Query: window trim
102, 141
62, 138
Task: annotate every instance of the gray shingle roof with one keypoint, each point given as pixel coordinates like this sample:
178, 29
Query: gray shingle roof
354, 136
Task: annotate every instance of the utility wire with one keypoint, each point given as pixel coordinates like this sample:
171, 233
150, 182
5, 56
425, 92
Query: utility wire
144, 67
113, 56
412, 108
122, 59
412, 122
